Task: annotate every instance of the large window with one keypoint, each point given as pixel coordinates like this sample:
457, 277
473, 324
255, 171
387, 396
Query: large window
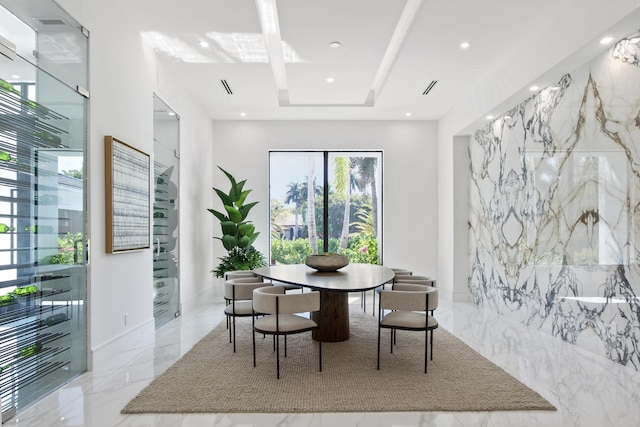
325, 201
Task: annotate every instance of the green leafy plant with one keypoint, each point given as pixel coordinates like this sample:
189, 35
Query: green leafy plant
289, 251
295, 251
363, 248
238, 234
239, 259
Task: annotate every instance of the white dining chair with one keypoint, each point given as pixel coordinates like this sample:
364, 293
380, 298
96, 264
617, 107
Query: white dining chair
277, 313
238, 295
237, 274
408, 310
398, 272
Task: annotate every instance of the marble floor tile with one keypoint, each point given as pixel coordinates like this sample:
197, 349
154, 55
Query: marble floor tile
587, 390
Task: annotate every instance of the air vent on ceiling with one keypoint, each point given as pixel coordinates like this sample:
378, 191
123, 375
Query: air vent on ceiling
431, 85
51, 21
226, 86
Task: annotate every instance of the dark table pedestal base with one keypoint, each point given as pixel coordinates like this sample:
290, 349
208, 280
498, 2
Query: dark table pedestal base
334, 315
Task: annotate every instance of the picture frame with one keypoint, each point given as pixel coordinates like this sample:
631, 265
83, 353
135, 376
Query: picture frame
127, 201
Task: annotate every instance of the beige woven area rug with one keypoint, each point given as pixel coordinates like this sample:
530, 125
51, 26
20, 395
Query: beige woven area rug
210, 378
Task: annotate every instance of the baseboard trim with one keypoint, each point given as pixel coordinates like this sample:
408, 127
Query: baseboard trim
188, 306
123, 347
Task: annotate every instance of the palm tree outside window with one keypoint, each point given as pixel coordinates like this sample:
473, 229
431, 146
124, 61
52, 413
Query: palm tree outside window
342, 214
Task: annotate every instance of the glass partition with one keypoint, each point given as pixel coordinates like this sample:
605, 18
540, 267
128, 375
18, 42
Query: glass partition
43, 250
166, 285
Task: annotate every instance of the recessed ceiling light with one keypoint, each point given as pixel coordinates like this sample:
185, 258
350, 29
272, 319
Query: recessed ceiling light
171, 113
335, 45
606, 40
489, 117
15, 76
408, 114
204, 44
330, 80
534, 88
465, 45
243, 114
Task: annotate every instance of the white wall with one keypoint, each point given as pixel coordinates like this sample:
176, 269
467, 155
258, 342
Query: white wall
123, 78
460, 239
409, 176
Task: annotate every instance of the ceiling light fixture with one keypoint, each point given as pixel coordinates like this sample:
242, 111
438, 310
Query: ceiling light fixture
465, 45
243, 114
489, 117
635, 40
606, 40
554, 88
335, 45
204, 44
330, 80
534, 88
408, 114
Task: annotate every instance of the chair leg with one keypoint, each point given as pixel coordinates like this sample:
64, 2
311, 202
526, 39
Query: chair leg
277, 356
373, 309
253, 332
378, 347
229, 328
285, 346
234, 333
364, 301
320, 349
432, 344
426, 343
391, 336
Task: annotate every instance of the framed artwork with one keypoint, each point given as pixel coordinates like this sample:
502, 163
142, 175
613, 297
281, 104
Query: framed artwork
127, 190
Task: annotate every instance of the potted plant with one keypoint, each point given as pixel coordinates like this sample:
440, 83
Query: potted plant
238, 234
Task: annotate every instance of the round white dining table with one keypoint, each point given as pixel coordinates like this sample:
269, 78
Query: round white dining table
334, 288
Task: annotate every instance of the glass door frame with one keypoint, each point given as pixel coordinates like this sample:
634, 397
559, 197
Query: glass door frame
166, 217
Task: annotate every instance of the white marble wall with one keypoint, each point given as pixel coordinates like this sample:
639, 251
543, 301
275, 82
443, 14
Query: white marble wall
554, 224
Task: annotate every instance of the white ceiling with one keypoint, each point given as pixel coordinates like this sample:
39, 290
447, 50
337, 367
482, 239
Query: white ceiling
391, 50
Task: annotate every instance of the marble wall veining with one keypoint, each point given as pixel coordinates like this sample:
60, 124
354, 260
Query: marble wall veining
554, 223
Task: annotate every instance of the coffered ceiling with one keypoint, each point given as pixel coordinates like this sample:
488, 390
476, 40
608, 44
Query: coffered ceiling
397, 59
